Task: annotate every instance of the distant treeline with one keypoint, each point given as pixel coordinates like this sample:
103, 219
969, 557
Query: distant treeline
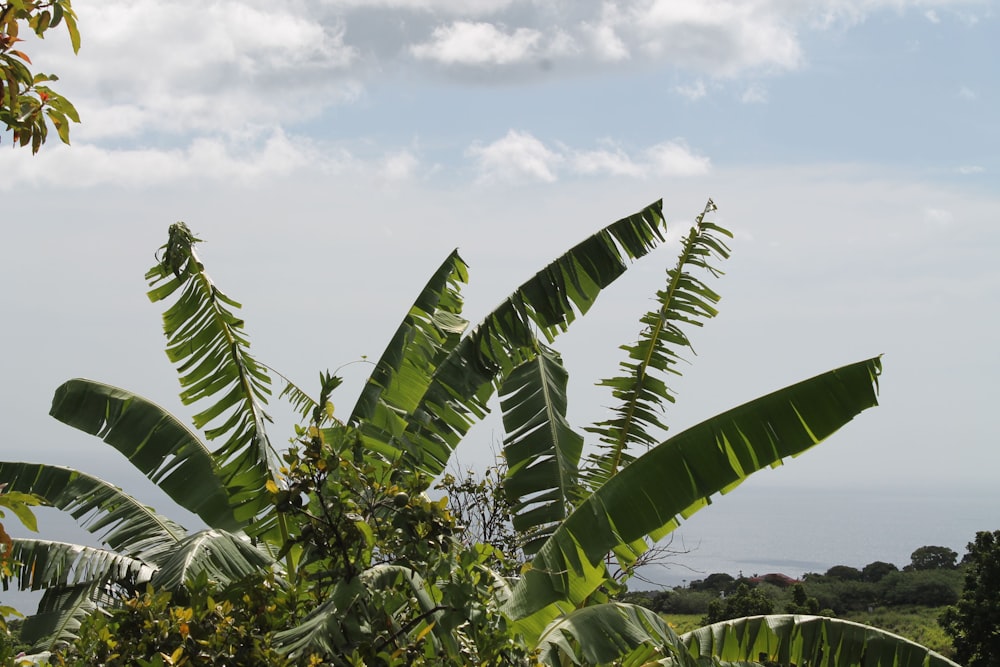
933, 578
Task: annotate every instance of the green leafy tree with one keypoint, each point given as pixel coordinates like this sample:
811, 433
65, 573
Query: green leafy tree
374, 568
875, 571
717, 581
27, 103
932, 558
744, 601
974, 622
844, 573
801, 602
930, 588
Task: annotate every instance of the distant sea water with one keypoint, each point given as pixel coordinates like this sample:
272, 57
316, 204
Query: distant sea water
760, 530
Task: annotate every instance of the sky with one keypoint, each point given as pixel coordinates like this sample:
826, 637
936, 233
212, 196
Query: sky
332, 153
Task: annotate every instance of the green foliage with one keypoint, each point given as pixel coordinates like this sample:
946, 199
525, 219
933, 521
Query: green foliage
801, 602
745, 601
875, 571
368, 540
844, 573
483, 514
685, 602
597, 636
27, 105
932, 558
641, 393
677, 478
974, 622
808, 640
206, 340
200, 625
20, 505
917, 623
361, 565
719, 582
930, 588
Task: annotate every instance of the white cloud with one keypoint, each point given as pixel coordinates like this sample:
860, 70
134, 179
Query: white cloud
939, 217
602, 36
210, 66
754, 94
465, 43
515, 157
967, 93
519, 156
253, 158
454, 7
399, 166
932, 16
967, 170
721, 37
694, 91
615, 162
674, 158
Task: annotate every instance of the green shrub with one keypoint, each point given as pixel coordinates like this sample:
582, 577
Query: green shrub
929, 588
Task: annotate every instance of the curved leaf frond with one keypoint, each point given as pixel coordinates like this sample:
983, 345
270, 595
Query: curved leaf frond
808, 640
217, 555
640, 391
206, 340
623, 634
541, 449
678, 477
129, 526
548, 303
430, 330
44, 564
59, 615
154, 441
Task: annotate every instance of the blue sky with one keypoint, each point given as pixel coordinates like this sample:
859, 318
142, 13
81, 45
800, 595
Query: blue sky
331, 154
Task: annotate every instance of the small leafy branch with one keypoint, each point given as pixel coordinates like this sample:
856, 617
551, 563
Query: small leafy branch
25, 102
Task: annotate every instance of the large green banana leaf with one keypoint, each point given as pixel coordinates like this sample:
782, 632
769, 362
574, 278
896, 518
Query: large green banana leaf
216, 555
206, 340
59, 615
129, 526
808, 640
430, 330
541, 449
547, 303
612, 633
677, 478
44, 564
154, 441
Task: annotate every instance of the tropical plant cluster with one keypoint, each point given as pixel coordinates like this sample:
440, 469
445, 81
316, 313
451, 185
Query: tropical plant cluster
338, 549
973, 623
27, 103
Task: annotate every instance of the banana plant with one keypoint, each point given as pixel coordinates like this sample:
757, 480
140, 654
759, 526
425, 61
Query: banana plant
225, 487
435, 379
439, 379
573, 514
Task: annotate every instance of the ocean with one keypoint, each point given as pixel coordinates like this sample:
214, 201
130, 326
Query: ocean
760, 529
